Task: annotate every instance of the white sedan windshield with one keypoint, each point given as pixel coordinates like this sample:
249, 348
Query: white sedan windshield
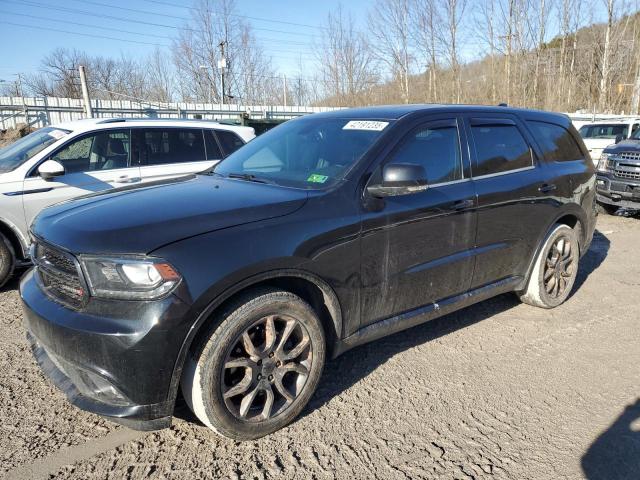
14, 155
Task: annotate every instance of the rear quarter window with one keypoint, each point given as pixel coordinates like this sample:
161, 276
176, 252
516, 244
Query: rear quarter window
229, 141
557, 143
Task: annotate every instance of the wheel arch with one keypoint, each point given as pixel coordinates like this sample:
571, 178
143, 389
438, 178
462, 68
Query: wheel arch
307, 286
15, 237
571, 218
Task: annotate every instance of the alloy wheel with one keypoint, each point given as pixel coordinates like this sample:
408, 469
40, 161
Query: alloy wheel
558, 267
267, 368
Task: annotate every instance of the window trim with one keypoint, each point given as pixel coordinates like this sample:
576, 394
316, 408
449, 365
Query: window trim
33, 172
498, 121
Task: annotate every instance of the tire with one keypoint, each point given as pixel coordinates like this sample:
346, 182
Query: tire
7, 260
227, 379
555, 269
607, 209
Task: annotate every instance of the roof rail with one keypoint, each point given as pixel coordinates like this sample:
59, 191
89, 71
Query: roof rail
503, 104
112, 120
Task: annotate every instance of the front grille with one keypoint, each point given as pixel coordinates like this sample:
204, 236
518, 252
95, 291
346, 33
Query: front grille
59, 275
628, 156
627, 174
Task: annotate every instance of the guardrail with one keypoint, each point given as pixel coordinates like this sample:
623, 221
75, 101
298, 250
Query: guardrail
43, 111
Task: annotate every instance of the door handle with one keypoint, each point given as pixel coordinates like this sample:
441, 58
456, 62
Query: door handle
462, 204
547, 187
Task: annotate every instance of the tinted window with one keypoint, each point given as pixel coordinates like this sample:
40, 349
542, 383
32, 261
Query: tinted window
437, 149
101, 151
230, 141
557, 142
608, 131
159, 146
211, 144
499, 148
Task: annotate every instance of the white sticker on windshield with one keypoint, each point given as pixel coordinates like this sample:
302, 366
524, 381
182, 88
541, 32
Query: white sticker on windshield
365, 125
57, 134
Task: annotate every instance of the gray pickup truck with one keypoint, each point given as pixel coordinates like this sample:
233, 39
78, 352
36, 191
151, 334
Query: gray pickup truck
618, 183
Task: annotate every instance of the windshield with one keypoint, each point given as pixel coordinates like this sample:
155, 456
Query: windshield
14, 155
609, 131
305, 153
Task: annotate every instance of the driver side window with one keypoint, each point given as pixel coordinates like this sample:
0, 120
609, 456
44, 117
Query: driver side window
100, 151
437, 148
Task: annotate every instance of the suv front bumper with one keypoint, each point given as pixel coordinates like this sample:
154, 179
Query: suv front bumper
618, 192
117, 362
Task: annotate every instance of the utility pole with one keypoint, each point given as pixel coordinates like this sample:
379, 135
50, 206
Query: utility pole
85, 92
24, 102
222, 64
284, 89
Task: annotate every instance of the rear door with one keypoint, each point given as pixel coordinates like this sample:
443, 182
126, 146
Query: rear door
512, 193
93, 162
167, 152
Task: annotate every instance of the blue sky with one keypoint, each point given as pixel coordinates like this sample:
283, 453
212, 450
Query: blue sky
35, 27
27, 23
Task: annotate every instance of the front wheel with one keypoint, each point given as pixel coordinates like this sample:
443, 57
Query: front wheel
7, 260
555, 269
255, 372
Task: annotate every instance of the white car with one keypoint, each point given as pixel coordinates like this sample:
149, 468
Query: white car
71, 159
599, 135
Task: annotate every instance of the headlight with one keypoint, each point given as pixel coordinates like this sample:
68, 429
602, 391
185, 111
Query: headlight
603, 163
129, 279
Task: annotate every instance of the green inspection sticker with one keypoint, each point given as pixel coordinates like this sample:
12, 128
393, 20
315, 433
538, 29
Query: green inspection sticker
317, 178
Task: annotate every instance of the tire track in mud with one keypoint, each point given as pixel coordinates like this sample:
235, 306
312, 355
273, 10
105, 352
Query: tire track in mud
51, 464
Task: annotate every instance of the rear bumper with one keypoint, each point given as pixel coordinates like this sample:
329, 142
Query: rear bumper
617, 192
116, 362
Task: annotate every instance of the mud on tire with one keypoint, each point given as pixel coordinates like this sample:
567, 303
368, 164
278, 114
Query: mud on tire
555, 269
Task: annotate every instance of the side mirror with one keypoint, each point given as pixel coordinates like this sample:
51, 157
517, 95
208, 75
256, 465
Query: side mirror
50, 169
400, 179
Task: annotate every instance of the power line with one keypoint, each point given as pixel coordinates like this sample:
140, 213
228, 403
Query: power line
38, 27
124, 19
259, 19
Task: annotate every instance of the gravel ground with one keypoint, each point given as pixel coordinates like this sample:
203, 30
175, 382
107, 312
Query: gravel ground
499, 390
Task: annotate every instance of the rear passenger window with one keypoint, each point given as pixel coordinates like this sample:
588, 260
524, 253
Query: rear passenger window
558, 144
213, 149
437, 149
230, 141
499, 148
159, 146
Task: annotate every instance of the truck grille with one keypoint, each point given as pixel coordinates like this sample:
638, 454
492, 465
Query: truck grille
59, 275
628, 156
627, 174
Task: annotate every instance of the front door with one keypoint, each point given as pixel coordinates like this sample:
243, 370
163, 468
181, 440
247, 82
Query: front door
417, 248
93, 162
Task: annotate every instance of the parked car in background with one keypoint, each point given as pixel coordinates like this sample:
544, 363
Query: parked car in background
619, 175
68, 160
598, 135
329, 231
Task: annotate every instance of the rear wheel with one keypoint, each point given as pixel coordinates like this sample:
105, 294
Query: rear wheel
555, 269
255, 372
7, 260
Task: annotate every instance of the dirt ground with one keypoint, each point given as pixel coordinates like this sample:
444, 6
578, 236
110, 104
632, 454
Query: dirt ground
498, 390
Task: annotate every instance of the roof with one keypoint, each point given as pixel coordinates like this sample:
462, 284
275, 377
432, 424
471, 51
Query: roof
110, 123
395, 112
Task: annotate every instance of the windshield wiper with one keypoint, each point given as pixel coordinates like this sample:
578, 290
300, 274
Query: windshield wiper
249, 177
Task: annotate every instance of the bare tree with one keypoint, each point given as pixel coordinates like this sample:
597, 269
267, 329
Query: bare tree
390, 27
427, 19
453, 11
346, 64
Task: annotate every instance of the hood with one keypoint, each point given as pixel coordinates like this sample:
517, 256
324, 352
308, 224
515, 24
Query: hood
624, 146
142, 219
597, 143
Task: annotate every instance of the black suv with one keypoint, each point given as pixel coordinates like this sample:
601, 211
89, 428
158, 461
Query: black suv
619, 175
327, 232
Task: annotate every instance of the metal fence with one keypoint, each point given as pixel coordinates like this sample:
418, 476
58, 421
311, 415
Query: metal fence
42, 111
